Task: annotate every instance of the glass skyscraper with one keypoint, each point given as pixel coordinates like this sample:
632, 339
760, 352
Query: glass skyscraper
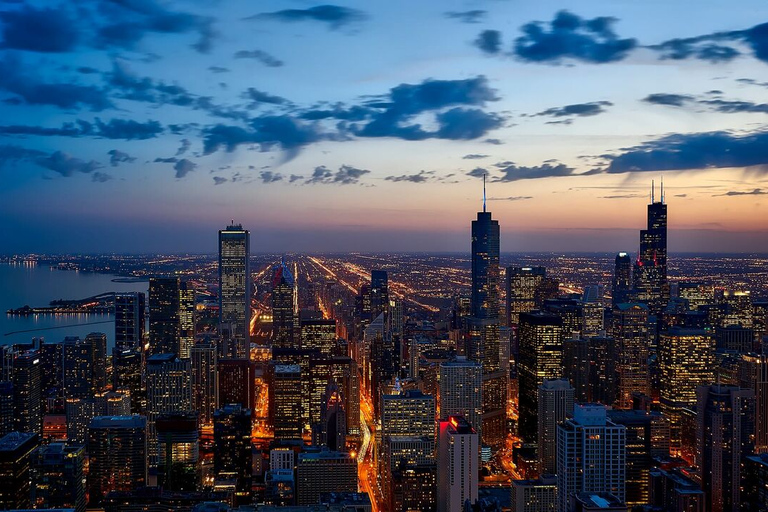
235, 288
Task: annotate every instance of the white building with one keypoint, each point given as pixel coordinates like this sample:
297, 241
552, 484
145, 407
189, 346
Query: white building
457, 465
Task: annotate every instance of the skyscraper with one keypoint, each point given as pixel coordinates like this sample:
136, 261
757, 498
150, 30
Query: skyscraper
169, 390
333, 420
485, 266
319, 334
324, 471
127, 375
56, 473
27, 399
98, 342
379, 292
650, 273
461, 389
205, 380
591, 454
555, 405
457, 464
232, 449
235, 289
622, 279
630, 330
177, 451
117, 451
15, 456
521, 286
77, 364
287, 399
129, 320
164, 324
186, 318
283, 306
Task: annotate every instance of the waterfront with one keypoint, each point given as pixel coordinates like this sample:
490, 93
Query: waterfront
37, 285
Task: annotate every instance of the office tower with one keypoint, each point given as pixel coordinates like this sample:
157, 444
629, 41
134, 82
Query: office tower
237, 383
343, 371
650, 272
593, 319
630, 330
51, 374
283, 306
113, 403
280, 487
603, 381
576, 367
555, 405
382, 361
164, 323
409, 413
98, 342
80, 412
570, 311
674, 491
56, 473
686, 361
697, 294
414, 487
591, 455
735, 338
77, 365
461, 391
15, 455
6, 408
320, 334
396, 317
538, 495
622, 279
457, 464
205, 380
286, 399
540, 357
127, 375
169, 390
333, 419
323, 472
647, 437
232, 449
235, 289
186, 318
27, 399
485, 266
755, 478
522, 284
129, 320
178, 451
753, 374
117, 452
725, 430
379, 293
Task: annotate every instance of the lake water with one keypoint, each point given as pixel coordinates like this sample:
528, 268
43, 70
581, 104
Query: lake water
37, 286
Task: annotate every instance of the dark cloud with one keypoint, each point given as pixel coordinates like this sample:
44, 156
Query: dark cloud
114, 129
489, 41
100, 177
466, 124
473, 16
578, 109
672, 100
340, 112
495, 142
695, 48
295, 177
185, 145
218, 180
570, 37
510, 198
420, 177
66, 165
171, 160
335, 16
478, 172
515, 173
13, 154
692, 151
116, 157
474, 156
49, 30
346, 175
184, 167
623, 196
218, 69
270, 176
257, 96
261, 56
735, 106
755, 192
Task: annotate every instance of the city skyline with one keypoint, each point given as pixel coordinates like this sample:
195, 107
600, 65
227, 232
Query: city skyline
320, 147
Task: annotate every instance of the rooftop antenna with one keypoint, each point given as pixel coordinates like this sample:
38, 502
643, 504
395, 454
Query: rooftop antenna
662, 189
653, 191
483, 192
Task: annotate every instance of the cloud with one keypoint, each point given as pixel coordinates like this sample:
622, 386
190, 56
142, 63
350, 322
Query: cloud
420, 177
672, 100
681, 195
265, 132
270, 177
185, 145
693, 151
755, 192
257, 96
474, 156
13, 154
495, 142
510, 198
489, 41
478, 172
570, 37
346, 175
47, 30
100, 177
218, 180
473, 16
261, 56
515, 173
117, 157
735, 106
184, 167
578, 109
623, 196
114, 129
335, 16
218, 69
66, 165
696, 48
295, 177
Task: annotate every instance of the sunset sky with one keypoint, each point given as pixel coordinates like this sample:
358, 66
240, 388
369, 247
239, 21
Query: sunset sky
143, 125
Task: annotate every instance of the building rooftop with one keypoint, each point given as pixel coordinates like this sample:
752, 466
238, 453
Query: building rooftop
14, 440
119, 422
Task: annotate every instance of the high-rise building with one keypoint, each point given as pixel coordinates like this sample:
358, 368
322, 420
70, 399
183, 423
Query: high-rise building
127, 375
237, 383
56, 473
320, 334
540, 339
283, 306
674, 491
409, 413
117, 452
522, 284
725, 434
457, 464
591, 455
51, 374
686, 361
461, 389
622, 279
650, 273
205, 380
555, 405
379, 293
77, 367
538, 495
630, 330
169, 390
80, 412
753, 374
129, 320
343, 371
332, 430
287, 401
27, 388
186, 318
235, 289
178, 451
232, 461
164, 322
6, 408
755, 478
319, 472
98, 342
15, 457
414, 487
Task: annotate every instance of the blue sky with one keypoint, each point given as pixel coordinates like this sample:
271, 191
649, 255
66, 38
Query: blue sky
142, 125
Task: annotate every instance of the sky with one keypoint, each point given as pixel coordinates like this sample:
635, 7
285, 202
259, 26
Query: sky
145, 125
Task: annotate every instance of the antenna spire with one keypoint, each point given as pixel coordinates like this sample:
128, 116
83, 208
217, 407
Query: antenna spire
483, 192
653, 191
662, 189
